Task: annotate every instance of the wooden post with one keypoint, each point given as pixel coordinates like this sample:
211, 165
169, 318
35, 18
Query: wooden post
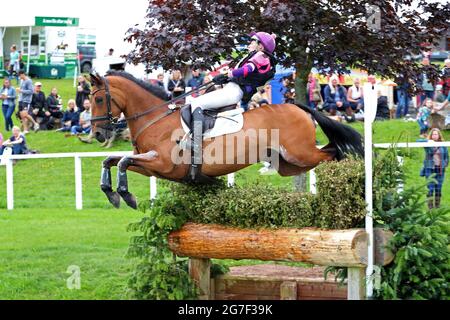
356, 287
199, 270
288, 290
212, 289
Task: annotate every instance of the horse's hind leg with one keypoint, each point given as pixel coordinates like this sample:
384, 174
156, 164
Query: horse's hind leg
105, 180
286, 169
291, 164
122, 179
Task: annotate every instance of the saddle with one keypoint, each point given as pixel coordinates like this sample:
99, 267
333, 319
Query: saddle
213, 123
209, 116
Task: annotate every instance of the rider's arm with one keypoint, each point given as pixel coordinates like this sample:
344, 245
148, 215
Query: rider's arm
244, 70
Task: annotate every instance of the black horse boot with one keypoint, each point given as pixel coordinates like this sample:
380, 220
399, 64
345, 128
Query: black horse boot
197, 142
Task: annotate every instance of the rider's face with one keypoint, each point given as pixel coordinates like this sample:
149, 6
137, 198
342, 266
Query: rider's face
253, 45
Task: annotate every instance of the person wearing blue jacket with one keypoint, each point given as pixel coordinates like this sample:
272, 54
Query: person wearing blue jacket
436, 160
8, 100
335, 99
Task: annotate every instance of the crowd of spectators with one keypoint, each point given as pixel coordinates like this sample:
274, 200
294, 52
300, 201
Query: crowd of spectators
338, 101
37, 111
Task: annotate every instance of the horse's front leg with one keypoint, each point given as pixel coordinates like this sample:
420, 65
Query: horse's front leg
138, 160
105, 180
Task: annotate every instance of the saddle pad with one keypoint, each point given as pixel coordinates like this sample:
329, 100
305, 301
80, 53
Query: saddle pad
227, 122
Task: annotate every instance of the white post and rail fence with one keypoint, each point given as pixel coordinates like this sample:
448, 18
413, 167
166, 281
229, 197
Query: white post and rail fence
8, 160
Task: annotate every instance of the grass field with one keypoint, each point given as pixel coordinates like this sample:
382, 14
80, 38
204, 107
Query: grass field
45, 235
37, 247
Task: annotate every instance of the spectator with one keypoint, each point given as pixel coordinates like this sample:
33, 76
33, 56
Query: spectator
261, 97
355, 95
285, 87
71, 117
207, 79
436, 160
160, 80
85, 120
336, 99
422, 117
445, 78
54, 108
8, 98
39, 106
383, 112
289, 96
17, 142
25, 96
403, 96
83, 92
438, 94
14, 63
21, 63
314, 98
438, 115
176, 85
196, 80
110, 53
425, 85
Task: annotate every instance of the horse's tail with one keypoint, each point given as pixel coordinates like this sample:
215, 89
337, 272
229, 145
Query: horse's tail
344, 139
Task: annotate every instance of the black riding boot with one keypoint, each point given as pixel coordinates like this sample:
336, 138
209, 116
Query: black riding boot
197, 142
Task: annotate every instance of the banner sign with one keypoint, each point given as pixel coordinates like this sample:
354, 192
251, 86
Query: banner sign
56, 22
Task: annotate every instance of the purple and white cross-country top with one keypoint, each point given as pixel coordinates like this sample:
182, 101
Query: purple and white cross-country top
258, 62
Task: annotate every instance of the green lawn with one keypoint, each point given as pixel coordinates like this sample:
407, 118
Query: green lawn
37, 247
45, 235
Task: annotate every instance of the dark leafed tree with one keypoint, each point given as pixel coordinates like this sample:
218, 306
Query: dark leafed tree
332, 36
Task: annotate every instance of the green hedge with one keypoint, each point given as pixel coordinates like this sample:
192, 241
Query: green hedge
421, 266
338, 204
158, 275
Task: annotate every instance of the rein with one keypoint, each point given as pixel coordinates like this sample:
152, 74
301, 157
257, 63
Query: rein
113, 121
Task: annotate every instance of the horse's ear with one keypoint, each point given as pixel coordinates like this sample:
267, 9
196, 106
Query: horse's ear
95, 79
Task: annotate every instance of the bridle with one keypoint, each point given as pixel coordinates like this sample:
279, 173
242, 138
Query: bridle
113, 122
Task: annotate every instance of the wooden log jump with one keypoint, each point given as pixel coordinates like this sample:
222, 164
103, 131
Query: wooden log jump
342, 248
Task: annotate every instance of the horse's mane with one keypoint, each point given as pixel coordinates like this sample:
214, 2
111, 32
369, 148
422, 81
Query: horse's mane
155, 90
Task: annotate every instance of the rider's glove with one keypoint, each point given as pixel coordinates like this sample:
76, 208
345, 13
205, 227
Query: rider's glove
221, 79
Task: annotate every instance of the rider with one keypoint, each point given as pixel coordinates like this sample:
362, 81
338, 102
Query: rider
253, 71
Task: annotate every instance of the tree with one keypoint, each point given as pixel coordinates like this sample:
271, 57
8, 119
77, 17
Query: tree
332, 36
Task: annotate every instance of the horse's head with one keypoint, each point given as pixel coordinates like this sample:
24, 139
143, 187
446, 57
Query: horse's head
104, 108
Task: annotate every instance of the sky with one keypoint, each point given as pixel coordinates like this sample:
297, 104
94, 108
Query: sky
110, 18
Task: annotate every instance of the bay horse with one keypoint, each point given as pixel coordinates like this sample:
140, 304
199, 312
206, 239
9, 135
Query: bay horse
152, 125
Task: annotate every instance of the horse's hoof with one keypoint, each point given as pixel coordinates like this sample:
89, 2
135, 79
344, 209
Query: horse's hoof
114, 198
129, 199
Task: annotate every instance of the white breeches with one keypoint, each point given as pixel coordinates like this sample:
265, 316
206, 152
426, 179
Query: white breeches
230, 94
